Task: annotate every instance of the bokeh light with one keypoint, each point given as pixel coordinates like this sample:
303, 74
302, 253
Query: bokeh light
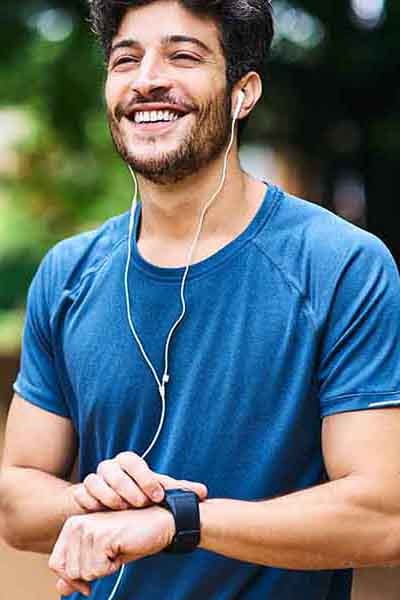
368, 13
297, 26
54, 25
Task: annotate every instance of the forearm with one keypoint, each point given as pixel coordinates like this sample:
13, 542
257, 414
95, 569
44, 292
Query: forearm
351, 522
33, 508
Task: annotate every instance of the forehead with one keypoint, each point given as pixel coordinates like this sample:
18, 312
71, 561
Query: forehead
163, 19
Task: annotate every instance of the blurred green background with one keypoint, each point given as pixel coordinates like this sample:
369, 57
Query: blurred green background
327, 126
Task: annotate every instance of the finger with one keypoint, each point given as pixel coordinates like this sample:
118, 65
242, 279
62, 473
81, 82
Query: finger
58, 556
87, 571
144, 477
101, 491
123, 484
73, 551
66, 587
199, 488
170, 483
86, 500
95, 561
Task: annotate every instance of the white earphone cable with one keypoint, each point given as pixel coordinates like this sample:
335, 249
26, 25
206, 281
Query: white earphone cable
165, 378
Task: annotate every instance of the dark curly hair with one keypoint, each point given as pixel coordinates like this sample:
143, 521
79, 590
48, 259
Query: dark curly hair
246, 31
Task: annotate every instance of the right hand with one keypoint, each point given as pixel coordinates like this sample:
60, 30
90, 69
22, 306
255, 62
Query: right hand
125, 482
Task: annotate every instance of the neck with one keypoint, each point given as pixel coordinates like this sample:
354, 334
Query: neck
170, 213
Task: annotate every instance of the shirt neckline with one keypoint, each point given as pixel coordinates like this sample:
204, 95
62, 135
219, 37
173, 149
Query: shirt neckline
174, 274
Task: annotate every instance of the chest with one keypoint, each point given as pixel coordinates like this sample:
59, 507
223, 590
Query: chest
240, 364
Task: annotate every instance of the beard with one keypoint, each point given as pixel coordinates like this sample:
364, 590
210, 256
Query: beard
202, 143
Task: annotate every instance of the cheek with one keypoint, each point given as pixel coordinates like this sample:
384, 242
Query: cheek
113, 93
108, 95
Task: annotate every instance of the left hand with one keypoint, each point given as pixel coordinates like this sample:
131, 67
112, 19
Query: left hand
96, 545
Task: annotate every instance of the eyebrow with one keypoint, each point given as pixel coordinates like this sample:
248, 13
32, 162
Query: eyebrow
166, 41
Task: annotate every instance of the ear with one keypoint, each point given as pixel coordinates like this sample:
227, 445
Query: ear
251, 84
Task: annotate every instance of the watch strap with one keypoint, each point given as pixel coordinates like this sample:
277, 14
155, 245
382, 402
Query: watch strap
184, 505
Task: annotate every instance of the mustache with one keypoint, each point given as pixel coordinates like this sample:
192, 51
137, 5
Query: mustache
126, 108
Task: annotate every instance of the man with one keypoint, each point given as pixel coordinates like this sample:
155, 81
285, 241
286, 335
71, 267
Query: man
283, 373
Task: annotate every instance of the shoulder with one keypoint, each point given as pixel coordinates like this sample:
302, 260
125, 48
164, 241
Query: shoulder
88, 250
301, 225
327, 238
68, 262
315, 248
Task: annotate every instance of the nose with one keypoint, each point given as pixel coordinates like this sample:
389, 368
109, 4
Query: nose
150, 76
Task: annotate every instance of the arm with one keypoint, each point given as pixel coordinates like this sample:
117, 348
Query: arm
351, 521
35, 496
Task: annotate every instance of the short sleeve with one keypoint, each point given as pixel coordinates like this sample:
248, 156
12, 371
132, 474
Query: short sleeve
359, 360
37, 380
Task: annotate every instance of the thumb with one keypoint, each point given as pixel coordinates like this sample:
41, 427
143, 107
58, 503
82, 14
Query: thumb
67, 587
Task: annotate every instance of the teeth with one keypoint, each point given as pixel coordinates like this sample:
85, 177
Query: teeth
150, 116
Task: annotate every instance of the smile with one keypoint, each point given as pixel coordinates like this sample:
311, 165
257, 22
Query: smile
154, 126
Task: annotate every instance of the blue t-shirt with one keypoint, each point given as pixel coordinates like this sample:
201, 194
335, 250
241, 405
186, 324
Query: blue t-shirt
296, 319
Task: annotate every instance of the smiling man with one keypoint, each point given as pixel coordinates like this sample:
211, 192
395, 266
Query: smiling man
236, 420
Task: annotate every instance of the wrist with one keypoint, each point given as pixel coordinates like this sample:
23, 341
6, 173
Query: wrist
204, 510
168, 527
212, 513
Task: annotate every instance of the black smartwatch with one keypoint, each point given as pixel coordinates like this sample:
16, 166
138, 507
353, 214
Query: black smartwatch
184, 505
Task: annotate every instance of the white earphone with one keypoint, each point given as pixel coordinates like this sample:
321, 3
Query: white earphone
241, 99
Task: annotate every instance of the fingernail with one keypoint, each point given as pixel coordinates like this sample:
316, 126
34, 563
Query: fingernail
157, 495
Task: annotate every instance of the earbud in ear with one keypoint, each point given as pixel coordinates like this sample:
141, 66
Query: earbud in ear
241, 99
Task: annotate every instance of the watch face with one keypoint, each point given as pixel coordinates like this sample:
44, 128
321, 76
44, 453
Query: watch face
184, 505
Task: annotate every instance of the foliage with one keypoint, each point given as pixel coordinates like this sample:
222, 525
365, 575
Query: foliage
333, 95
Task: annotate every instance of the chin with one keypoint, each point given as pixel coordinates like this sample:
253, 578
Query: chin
161, 178
151, 149
156, 158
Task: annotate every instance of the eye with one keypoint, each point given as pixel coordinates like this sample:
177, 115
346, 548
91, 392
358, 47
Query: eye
185, 57
123, 60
